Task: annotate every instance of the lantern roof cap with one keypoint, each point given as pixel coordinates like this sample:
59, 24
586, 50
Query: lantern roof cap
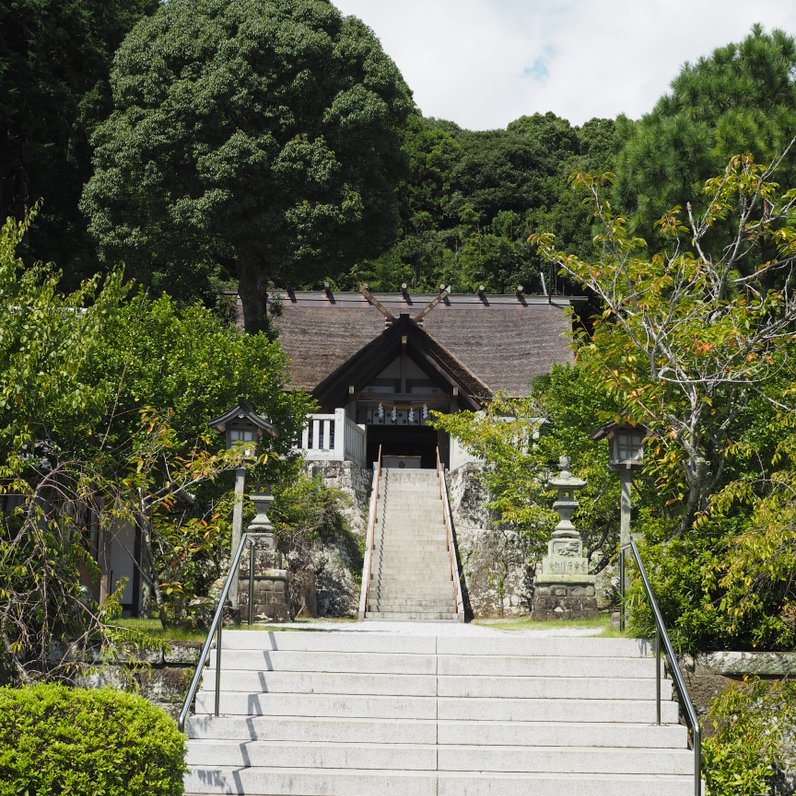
242, 413
565, 479
618, 425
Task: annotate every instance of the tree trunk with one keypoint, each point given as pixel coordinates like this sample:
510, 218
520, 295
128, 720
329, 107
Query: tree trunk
252, 289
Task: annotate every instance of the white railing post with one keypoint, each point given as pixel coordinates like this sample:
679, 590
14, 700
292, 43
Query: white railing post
305, 435
338, 451
349, 438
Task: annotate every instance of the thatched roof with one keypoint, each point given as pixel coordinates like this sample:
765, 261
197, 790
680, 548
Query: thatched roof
486, 343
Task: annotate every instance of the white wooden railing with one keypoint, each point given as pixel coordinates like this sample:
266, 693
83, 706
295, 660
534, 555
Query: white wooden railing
334, 438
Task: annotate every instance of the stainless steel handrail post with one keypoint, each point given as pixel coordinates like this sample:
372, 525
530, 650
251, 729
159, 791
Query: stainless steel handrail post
251, 581
215, 626
662, 640
657, 674
622, 590
218, 669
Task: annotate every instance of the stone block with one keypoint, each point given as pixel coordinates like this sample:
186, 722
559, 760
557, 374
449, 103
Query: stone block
739, 664
185, 653
271, 597
563, 601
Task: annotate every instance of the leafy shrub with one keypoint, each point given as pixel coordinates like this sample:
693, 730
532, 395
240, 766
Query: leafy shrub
702, 609
754, 724
60, 740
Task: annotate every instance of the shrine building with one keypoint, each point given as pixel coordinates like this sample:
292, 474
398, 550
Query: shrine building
379, 363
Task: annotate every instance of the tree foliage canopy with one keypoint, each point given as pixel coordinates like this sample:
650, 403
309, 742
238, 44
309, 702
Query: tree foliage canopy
104, 405
701, 349
261, 138
740, 99
55, 56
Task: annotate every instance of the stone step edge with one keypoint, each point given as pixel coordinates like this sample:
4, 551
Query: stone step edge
403, 773
489, 723
508, 749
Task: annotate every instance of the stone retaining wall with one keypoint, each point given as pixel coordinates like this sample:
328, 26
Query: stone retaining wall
493, 560
353, 481
328, 583
160, 676
709, 673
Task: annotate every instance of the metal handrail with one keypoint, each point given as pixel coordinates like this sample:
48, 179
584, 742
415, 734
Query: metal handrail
215, 627
458, 596
370, 541
662, 636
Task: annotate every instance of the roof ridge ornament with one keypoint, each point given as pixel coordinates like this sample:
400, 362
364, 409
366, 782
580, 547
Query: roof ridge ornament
389, 318
444, 292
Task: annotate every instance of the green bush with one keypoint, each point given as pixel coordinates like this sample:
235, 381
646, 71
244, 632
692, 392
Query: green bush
689, 575
753, 727
60, 740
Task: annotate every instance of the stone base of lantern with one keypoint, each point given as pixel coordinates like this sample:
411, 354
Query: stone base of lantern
564, 597
271, 584
271, 597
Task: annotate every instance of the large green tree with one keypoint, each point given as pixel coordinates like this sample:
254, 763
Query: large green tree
55, 56
701, 348
740, 99
256, 139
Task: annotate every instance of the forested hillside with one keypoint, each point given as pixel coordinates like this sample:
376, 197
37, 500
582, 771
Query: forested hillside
203, 175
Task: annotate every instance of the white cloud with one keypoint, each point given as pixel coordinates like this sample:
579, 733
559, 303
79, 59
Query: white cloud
483, 63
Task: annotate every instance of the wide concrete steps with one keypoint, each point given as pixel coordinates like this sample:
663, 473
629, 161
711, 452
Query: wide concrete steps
435, 757
436, 665
403, 731
364, 713
527, 687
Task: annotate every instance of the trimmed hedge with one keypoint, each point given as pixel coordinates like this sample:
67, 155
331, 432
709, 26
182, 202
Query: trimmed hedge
60, 740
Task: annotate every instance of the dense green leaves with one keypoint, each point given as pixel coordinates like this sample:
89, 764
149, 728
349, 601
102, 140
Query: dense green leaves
753, 737
104, 405
54, 62
251, 139
57, 740
741, 99
471, 199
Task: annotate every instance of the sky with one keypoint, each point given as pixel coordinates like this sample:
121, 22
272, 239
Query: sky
484, 63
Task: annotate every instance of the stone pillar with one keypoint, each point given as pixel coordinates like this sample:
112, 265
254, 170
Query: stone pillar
563, 587
271, 588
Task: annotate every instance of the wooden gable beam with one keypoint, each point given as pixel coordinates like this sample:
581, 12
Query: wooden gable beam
443, 294
389, 318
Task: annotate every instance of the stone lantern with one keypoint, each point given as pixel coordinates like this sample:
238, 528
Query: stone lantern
264, 582
563, 588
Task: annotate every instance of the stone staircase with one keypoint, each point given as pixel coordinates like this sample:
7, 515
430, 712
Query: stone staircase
411, 570
362, 712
